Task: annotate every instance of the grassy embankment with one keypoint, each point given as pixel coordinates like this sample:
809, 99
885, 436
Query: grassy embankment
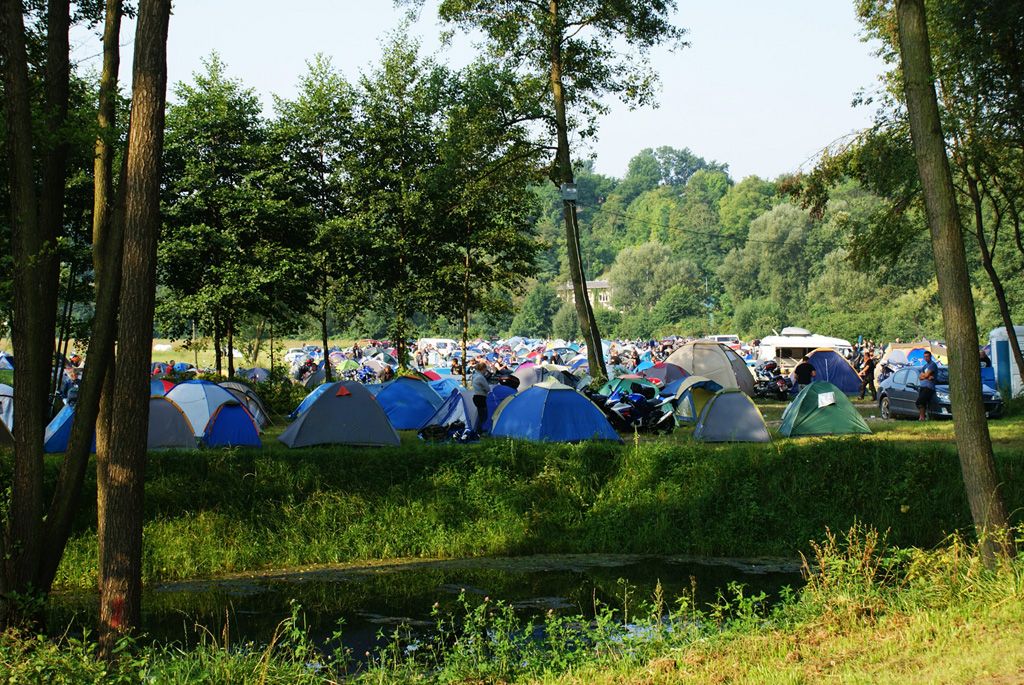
213, 511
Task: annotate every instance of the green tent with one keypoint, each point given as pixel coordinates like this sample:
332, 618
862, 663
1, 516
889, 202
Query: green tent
624, 384
821, 409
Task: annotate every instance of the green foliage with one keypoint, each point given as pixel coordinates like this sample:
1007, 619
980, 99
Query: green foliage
566, 324
641, 275
536, 313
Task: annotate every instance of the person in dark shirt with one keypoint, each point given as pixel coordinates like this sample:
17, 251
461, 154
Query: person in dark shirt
867, 375
804, 373
926, 391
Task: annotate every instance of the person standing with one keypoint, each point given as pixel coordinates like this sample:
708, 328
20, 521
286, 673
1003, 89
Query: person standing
481, 387
926, 390
867, 375
804, 373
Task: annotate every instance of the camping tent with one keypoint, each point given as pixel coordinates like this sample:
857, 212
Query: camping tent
691, 396
529, 374
316, 378
715, 361
666, 372
821, 409
257, 374
199, 400
6, 362
624, 384
58, 432
158, 387
408, 402
552, 412
231, 425
168, 426
456, 413
832, 367
250, 400
342, 413
730, 416
495, 397
308, 401
7, 406
444, 386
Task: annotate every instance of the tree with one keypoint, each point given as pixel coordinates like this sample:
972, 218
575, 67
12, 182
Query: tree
396, 186
565, 325
314, 132
642, 274
971, 427
490, 164
774, 261
743, 203
534, 318
571, 55
233, 243
36, 215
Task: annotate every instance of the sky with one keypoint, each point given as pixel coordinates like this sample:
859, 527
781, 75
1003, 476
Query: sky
763, 87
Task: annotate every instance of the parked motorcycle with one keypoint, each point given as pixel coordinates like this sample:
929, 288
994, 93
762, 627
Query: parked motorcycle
639, 410
769, 383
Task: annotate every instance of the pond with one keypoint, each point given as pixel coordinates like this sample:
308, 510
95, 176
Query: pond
370, 601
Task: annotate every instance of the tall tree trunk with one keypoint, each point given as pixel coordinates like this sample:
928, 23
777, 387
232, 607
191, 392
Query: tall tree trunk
35, 224
328, 371
231, 346
988, 262
120, 534
465, 312
216, 343
970, 426
563, 175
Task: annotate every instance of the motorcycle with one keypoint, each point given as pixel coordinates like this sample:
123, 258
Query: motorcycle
769, 383
641, 410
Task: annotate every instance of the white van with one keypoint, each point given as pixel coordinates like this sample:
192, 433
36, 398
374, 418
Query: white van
728, 340
445, 346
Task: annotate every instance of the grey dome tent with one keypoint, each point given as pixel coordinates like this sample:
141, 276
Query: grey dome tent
715, 361
346, 414
168, 426
731, 416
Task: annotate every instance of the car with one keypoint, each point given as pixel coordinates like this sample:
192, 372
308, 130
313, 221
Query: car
897, 395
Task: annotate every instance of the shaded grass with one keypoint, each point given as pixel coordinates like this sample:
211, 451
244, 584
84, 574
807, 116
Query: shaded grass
211, 512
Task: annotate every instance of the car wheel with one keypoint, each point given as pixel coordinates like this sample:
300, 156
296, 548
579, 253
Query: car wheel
883, 407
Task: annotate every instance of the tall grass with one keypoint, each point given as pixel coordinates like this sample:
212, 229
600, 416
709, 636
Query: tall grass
857, 588
213, 512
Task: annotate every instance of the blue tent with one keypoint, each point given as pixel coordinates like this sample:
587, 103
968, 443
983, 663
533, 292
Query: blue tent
444, 387
832, 367
231, 426
308, 402
494, 398
456, 414
552, 412
58, 432
408, 402
6, 362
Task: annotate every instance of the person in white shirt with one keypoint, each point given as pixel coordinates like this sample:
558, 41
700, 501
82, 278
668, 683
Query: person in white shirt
480, 387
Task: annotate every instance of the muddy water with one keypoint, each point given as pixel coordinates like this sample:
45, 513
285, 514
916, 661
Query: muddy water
367, 601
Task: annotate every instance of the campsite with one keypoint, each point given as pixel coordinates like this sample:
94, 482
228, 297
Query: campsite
509, 341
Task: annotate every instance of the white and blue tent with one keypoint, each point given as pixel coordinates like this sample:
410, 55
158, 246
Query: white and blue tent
457, 413
199, 400
7, 406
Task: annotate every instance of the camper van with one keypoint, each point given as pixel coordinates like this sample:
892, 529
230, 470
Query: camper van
729, 340
444, 347
789, 346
